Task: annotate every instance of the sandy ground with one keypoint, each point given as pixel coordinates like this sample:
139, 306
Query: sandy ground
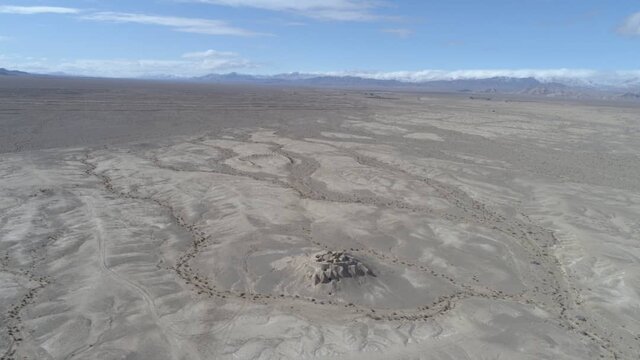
155, 221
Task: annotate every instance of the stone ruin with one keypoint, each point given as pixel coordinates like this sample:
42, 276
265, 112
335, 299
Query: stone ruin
335, 265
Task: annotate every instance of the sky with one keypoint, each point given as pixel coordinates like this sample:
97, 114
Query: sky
408, 39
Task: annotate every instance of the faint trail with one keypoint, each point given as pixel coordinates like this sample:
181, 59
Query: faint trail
302, 168
204, 287
182, 268
148, 301
536, 240
99, 234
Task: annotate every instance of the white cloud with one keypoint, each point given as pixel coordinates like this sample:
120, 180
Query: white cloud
401, 32
4, 38
631, 26
293, 23
435, 75
183, 24
30, 10
341, 10
209, 54
188, 65
578, 77
191, 25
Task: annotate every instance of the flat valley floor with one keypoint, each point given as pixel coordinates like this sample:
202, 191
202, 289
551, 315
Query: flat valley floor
143, 220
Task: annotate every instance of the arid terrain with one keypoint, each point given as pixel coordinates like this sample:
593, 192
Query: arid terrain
148, 220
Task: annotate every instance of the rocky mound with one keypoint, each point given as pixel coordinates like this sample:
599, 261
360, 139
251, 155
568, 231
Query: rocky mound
335, 265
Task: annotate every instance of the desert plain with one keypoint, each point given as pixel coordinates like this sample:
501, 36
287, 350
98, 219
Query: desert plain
150, 220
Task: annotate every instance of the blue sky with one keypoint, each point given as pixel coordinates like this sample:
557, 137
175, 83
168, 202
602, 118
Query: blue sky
385, 38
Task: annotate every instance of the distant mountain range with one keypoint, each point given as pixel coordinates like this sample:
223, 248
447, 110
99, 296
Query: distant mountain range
497, 83
6, 72
493, 85
630, 96
629, 90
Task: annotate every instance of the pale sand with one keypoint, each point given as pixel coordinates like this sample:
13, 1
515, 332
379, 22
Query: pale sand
516, 237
